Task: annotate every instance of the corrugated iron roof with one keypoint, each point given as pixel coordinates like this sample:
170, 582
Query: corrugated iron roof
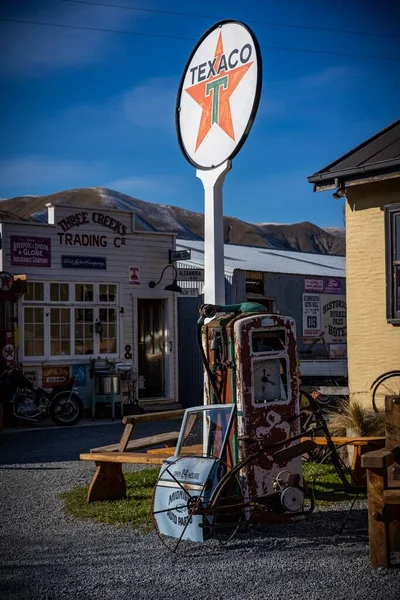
250, 258
380, 154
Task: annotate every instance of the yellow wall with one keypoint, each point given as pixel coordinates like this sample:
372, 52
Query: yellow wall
373, 344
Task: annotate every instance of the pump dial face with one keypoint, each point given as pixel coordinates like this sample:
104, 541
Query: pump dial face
266, 380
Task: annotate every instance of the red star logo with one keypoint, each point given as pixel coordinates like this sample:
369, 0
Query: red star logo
214, 93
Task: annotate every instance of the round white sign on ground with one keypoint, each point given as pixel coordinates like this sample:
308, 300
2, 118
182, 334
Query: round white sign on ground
219, 94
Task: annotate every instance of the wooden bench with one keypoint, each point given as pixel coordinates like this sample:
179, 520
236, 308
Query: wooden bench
108, 482
383, 489
361, 446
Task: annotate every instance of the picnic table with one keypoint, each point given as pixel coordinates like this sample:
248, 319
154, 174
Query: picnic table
108, 482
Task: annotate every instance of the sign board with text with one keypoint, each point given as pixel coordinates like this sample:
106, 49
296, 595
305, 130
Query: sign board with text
311, 315
175, 255
30, 251
219, 94
189, 293
190, 274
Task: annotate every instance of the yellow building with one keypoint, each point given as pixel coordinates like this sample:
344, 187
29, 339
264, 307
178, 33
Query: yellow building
368, 177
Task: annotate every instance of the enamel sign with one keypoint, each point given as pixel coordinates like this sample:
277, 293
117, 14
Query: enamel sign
219, 94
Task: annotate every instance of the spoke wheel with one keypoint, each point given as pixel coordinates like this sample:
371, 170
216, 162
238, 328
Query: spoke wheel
387, 385
227, 510
182, 506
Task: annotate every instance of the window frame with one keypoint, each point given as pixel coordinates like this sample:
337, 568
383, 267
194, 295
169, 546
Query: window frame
392, 264
95, 305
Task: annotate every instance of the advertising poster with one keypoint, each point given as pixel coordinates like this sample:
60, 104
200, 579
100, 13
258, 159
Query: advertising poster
313, 285
333, 310
52, 376
311, 315
30, 251
134, 276
79, 372
333, 286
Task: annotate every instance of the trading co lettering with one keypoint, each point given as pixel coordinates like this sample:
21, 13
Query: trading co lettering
82, 218
90, 240
211, 68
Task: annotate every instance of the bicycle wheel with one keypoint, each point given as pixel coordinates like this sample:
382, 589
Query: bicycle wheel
227, 510
387, 385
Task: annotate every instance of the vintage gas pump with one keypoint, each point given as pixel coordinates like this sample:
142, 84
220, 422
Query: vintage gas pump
251, 359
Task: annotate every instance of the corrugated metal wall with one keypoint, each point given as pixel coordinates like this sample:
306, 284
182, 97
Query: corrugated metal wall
190, 367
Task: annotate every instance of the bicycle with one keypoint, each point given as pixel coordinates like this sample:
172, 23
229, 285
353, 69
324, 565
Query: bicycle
218, 505
387, 384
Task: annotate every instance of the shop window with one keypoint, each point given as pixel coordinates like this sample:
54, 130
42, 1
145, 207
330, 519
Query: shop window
59, 292
64, 328
108, 319
84, 292
34, 331
35, 291
392, 240
84, 331
60, 331
107, 292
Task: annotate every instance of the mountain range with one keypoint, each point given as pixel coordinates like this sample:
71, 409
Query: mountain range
189, 225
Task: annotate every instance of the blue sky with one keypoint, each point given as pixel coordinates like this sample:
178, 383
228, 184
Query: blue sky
84, 108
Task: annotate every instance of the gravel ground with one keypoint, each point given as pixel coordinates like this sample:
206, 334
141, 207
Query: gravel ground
46, 554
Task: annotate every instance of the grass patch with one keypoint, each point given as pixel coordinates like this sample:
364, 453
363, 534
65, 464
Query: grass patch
325, 482
135, 509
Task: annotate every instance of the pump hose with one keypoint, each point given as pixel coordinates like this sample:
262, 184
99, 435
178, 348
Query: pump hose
210, 375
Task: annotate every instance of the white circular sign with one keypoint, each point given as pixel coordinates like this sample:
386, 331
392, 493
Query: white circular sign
219, 94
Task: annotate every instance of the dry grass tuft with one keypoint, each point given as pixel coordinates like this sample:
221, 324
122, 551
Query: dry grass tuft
352, 418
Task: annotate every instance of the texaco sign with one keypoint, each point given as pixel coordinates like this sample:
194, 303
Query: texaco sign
219, 94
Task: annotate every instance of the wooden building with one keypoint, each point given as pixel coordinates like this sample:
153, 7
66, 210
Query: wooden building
88, 296
368, 177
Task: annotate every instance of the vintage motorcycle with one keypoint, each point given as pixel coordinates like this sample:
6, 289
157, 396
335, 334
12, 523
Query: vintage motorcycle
62, 404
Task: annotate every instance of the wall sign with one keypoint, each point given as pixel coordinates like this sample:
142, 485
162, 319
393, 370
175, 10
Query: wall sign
134, 276
32, 376
313, 285
189, 293
30, 251
333, 286
311, 315
219, 94
83, 262
90, 240
190, 274
333, 309
79, 372
52, 376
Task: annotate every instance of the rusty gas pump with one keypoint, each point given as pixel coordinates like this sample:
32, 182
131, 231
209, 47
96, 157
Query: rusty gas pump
251, 360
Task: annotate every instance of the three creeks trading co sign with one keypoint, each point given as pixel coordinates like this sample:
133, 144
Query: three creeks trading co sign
71, 233
219, 94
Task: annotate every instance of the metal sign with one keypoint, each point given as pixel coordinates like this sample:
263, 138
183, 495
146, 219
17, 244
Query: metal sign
175, 255
71, 261
190, 274
219, 94
189, 293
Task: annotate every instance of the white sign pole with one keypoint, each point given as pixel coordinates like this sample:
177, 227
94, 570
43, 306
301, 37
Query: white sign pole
214, 274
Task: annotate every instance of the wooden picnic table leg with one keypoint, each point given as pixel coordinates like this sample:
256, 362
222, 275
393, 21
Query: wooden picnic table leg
108, 483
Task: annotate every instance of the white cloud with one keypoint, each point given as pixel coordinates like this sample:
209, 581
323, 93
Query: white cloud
33, 49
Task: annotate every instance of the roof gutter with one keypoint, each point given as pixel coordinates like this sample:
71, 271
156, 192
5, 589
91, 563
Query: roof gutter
345, 174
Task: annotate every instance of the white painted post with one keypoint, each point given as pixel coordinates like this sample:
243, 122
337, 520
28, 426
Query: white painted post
214, 273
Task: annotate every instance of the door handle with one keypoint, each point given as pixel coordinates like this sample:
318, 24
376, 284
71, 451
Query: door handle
170, 346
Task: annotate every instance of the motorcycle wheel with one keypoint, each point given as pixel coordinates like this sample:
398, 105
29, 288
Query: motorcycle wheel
66, 409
